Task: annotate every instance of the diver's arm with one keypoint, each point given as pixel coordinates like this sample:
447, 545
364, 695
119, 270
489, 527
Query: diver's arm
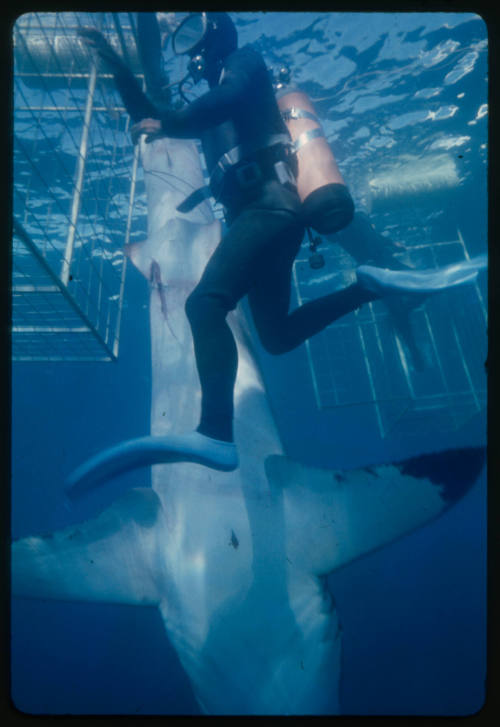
134, 99
211, 109
149, 49
242, 70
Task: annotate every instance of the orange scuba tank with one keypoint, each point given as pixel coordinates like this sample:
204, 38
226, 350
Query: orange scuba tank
327, 205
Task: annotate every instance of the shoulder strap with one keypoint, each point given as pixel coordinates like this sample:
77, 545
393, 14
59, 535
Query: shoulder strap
296, 113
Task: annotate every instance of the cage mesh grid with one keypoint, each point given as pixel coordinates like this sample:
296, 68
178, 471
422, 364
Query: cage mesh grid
74, 178
362, 360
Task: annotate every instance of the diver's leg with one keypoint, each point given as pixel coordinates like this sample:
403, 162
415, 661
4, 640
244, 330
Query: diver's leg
216, 360
230, 273
224, 281
281, 331
360, 239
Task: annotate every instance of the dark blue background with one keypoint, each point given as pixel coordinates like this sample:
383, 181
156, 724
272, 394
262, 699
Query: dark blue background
413, 613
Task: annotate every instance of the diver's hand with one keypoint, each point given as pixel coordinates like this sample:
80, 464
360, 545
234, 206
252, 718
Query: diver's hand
96, 40
150, 127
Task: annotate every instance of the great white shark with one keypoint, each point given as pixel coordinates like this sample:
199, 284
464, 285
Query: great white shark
236, 562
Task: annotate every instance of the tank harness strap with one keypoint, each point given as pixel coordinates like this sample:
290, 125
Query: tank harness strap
306, 137
229, 160
238, 153
297, 113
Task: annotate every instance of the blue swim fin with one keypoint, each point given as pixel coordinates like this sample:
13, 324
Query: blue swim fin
146, 451
390, 282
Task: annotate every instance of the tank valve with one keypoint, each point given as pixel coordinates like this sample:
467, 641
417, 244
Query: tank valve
282, 77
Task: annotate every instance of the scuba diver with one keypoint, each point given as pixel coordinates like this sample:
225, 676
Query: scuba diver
253, 171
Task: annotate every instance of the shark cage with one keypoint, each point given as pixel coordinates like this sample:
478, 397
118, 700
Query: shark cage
412, 369
75, 177
74, 182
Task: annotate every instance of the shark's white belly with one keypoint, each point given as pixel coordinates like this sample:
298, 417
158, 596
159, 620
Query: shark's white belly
254, 634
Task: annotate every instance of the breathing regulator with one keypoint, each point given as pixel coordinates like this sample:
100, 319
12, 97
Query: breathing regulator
207, 38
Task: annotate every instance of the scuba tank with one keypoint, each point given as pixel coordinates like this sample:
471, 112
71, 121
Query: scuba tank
327, 205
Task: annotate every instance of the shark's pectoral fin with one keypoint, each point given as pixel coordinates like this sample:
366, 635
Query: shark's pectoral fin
338, 516
113, 558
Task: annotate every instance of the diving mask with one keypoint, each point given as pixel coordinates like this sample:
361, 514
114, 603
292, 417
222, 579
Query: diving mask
208, 38
189, 38
190, 33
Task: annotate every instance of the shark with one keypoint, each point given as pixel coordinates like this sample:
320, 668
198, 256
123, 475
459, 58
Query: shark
236, 562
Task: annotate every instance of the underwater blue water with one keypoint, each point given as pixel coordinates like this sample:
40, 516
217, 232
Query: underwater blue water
414, 613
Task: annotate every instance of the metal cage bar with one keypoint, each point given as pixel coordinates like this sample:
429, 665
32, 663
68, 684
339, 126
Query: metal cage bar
360, 360
75, 179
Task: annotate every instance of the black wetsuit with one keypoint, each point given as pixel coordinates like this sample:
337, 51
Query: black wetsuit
140, 106
256, 254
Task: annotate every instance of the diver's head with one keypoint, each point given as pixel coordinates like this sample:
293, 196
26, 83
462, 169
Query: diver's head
208, 38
